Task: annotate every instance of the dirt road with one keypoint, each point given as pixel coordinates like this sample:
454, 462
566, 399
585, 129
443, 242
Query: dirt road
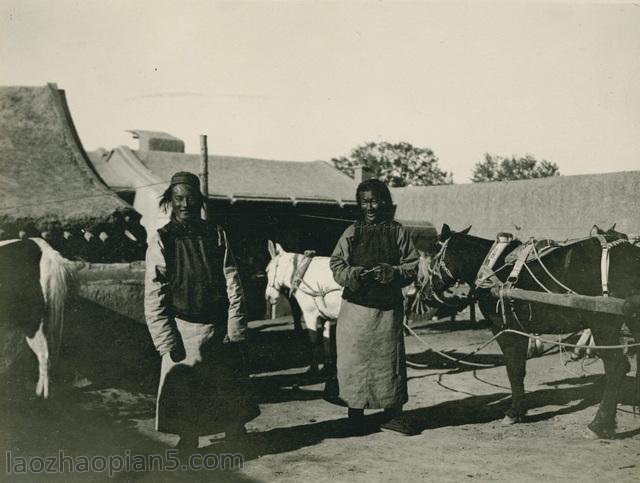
300, 437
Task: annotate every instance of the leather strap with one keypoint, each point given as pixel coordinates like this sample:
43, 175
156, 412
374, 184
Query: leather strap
486, 269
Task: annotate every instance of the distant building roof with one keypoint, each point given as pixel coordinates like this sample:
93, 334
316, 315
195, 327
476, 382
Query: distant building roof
558, 207
157, 141
45, 174
241, 179
247, 178
115, 178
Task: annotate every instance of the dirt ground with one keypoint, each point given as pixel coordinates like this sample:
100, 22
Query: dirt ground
301, 437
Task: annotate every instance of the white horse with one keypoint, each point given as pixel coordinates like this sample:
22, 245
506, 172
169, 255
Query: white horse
310, 281
34, 283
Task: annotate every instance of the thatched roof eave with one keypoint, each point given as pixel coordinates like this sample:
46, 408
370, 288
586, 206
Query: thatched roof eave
45, 174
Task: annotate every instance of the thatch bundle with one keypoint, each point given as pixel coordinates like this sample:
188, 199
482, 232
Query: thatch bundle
46, 180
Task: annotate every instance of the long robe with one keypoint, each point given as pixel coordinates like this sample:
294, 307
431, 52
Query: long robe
371, 359
209, 391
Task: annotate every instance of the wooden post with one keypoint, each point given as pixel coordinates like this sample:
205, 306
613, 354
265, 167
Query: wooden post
204, 173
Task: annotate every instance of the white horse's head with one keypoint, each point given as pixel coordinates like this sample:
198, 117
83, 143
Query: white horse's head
279, 272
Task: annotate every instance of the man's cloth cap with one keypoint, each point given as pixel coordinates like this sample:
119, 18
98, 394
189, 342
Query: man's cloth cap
184, 177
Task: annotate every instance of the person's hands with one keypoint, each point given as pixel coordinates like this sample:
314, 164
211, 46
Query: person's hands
382, 273
369, 275
237, 348
385, 273
178, 353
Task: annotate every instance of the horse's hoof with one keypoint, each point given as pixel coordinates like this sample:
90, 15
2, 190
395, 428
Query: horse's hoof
509, 420
328, 371
598, 432
42, 389
313, 371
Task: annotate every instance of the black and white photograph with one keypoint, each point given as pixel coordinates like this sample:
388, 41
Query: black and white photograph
319, 241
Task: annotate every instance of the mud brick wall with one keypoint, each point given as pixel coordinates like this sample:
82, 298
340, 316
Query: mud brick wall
118, 287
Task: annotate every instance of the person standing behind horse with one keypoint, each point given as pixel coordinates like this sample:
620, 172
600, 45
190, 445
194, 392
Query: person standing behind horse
195, 314
373, 260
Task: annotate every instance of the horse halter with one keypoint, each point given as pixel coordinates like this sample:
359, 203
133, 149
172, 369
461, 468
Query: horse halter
440, 270
274, 284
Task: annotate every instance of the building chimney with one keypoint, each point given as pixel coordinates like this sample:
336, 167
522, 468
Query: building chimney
157, 141
361, 173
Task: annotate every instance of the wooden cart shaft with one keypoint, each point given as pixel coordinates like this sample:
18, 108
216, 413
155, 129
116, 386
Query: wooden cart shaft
607, 305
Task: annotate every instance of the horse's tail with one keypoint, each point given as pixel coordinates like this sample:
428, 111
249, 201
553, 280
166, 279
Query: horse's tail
55, 281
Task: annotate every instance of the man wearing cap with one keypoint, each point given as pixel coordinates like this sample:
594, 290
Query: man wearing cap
195, 315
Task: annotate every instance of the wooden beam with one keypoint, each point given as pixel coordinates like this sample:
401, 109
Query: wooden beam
607, 305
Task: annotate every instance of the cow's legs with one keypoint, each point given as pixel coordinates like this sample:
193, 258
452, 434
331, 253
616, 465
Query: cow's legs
604, 422
39, 346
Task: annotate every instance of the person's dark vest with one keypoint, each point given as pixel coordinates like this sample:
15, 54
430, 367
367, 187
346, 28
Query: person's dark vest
371, 245
194, 256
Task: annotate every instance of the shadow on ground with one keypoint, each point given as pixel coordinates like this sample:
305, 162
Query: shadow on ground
80, 422
470, 410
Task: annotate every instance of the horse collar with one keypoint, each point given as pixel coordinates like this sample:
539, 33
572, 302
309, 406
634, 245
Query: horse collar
299, 270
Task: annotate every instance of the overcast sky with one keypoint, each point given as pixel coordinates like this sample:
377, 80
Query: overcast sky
306, 81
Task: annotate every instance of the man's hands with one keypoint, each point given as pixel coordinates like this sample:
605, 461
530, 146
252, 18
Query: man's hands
178, 353
382, 273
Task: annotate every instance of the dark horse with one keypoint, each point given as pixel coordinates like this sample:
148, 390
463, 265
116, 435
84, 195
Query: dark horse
575, 265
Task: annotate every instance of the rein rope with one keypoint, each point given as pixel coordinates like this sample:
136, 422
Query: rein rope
508, 331
439, 270
301, 263
488, 275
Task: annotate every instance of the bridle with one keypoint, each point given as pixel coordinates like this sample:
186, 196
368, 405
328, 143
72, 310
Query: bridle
439, 270
274, 284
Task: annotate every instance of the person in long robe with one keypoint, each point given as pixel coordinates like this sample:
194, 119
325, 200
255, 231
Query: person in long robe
195, 314
373, 260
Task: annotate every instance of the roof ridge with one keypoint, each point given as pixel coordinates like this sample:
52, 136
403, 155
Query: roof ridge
80, 156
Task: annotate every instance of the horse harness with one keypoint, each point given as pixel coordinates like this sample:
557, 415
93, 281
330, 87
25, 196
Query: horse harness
604, 260
486, 275
300, 265
530, 251
440, 270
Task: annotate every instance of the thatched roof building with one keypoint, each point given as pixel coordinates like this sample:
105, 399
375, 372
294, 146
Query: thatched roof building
231, 178
141, 175
559, 207
237, 178
301, 205
45, 175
